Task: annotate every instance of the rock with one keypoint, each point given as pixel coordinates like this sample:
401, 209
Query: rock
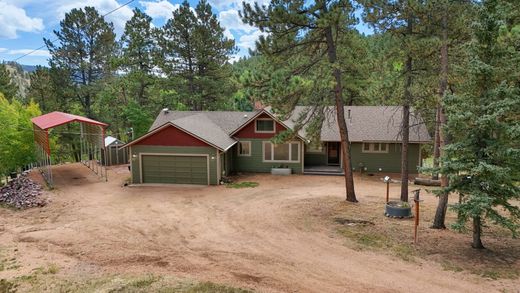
22, 193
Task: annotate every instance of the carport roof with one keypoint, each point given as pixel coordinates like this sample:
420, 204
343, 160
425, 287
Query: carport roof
56, 118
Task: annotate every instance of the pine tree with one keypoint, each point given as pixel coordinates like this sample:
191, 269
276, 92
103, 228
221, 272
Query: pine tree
482, 161
85, 50
450, 29
7, 87
138, 47
302, 65
406, 22
194, 53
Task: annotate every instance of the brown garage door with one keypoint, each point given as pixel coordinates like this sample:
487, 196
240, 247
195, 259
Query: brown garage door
175, 169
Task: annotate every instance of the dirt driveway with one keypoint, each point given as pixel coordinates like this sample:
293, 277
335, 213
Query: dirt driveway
253, 238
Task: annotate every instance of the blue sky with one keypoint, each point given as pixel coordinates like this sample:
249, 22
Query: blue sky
24, 23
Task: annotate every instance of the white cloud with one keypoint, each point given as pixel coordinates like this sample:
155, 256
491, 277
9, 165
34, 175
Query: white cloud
119, 17
14, 19
236, 4
159, 8
248, 41
232, 21
39, 53
3, 50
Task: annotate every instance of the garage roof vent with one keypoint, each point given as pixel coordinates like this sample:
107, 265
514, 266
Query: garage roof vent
166, 110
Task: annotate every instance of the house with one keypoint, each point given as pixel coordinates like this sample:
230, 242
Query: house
196, 147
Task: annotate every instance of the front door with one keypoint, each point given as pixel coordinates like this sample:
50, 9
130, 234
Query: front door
333, 151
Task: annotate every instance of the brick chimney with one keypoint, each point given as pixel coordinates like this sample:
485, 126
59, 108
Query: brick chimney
258, 105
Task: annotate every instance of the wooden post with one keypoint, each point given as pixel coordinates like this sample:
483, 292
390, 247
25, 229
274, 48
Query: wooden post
387, 191
387, 180
417, 201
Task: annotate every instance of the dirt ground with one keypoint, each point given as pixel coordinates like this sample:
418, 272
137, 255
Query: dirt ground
277, 237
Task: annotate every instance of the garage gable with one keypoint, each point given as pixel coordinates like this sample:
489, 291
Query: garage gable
171, 136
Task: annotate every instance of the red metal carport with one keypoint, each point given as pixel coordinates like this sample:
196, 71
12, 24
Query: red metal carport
92, 138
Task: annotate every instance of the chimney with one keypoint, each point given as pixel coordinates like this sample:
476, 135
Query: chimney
258, 105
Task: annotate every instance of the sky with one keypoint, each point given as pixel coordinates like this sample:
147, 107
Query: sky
24, 23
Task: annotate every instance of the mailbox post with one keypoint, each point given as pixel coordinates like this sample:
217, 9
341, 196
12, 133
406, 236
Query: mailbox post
417, 201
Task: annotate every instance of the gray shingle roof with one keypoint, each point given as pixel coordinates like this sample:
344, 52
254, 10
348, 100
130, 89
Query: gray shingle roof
201, 126
226, 120
368, 123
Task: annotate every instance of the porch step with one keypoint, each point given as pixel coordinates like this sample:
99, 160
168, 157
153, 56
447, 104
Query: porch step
323, 173
325, 170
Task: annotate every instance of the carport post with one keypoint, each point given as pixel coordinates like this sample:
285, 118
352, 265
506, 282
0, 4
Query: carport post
81, 142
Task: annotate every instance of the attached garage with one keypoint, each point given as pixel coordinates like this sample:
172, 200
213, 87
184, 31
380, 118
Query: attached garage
175, 168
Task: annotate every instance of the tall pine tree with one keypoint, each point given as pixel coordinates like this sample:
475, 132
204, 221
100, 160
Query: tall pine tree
194, 54
85, 49
138, 47
302, 67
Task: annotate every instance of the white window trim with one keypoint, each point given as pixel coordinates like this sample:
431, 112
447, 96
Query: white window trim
266, 119
281, 161
238, 148
371, 148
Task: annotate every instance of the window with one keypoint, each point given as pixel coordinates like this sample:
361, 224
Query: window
264, 125
285, 152
375, 147
314, 148
244, 148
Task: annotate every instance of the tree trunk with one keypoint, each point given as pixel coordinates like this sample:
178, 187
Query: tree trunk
477, 229
405, 124
404, 149
442, 206
340, 115
437, 143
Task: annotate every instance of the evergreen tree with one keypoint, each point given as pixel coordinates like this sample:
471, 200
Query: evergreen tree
453, 34
138, 47
482, 161
85, 49
301, 65
194, 53
406, 21
7, 87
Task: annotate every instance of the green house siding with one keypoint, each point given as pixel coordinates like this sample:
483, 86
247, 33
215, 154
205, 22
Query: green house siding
136, 150
254, 163
388, 162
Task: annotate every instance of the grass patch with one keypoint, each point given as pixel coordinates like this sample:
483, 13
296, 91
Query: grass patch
362, 237
448, 248
8, 263
7, 286
40, 280
244, 184
210, 287
450, 266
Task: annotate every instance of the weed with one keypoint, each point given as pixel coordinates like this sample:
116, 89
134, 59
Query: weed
7, 286
245, 184
449, 266
207, 287
495, 275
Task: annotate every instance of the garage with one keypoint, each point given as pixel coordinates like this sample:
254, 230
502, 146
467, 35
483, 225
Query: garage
175, 169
